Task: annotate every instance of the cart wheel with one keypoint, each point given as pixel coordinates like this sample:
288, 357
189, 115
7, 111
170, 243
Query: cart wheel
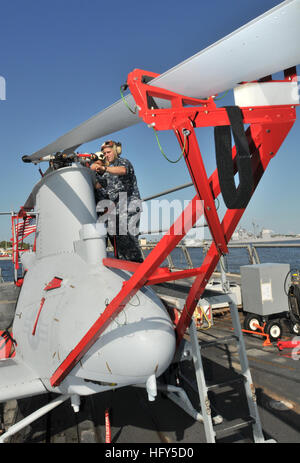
273, 329
250, 322
295, 328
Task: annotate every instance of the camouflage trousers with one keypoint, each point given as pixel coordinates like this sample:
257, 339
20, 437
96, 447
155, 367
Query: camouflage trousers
126, 244
126, 247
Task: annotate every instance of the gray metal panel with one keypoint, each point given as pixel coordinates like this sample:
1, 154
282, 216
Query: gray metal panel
213, 70
64, 202
9, 293
18, 380
263, 288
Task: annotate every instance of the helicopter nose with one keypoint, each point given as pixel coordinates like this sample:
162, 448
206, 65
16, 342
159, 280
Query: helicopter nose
151, 350
137, 343
131, 353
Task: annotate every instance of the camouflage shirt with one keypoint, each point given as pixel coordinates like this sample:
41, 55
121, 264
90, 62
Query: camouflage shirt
113, 185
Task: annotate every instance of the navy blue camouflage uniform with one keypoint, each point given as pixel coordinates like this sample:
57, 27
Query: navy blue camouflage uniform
120, 194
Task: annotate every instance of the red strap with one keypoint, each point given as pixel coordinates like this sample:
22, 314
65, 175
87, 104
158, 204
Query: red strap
107, 427
38, 315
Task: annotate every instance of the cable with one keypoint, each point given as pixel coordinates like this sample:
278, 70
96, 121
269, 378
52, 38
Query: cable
220, 98
209, 324
162, 152
294, 317
285, 280
125, 102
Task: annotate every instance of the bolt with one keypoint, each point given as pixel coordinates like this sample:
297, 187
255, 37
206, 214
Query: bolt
207, 406
252, 387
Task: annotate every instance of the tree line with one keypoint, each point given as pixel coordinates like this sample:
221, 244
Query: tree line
8, 244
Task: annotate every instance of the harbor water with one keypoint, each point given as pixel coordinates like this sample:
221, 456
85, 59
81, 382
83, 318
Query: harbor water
236, 257
239, 256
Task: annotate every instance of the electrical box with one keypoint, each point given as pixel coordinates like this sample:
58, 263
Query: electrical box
263, 288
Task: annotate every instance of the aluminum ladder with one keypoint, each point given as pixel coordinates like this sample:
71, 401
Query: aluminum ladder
211, 431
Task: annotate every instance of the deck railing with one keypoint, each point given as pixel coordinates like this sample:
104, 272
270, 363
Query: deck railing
251, 248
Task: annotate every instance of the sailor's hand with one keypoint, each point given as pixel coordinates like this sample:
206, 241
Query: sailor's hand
98, 166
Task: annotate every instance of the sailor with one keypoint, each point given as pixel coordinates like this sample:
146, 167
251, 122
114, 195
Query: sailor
119, 201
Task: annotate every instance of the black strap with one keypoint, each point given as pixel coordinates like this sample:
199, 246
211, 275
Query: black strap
234, 197
7, 337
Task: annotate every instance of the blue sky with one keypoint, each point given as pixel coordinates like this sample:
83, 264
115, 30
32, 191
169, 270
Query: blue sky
64, 61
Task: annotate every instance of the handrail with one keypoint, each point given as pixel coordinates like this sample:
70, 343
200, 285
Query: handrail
154, 232
266, 245
253, 255
171, 190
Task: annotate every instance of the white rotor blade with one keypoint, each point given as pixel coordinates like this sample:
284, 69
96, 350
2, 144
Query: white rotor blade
109, 120
268, 44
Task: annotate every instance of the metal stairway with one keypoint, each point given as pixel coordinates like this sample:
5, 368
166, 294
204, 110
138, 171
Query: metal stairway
212, 432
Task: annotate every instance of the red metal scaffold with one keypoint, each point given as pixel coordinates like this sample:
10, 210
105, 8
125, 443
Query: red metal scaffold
268, 127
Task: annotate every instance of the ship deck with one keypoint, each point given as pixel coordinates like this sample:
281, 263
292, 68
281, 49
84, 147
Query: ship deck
135, 420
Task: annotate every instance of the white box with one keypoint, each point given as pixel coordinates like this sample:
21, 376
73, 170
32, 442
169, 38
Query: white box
266, 94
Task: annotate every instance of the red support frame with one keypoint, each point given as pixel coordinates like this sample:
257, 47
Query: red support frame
268, 127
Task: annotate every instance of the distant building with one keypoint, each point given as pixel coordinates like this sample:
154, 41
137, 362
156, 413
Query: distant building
266, 233
241, 234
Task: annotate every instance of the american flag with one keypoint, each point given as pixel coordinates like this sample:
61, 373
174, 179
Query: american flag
24, 228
